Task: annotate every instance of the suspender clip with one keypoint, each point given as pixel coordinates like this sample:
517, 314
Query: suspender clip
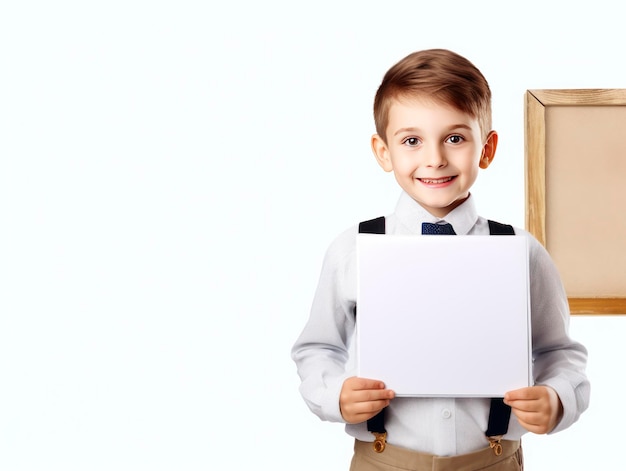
495, 445
381, 442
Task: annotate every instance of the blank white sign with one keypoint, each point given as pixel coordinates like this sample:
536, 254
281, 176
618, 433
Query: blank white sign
444, 315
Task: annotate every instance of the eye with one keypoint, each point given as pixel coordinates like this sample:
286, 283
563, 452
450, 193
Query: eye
455, 139
411, 141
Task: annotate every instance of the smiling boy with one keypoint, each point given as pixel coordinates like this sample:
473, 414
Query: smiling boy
433, 131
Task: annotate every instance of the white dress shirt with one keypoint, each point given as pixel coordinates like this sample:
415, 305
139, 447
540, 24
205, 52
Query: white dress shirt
440, 426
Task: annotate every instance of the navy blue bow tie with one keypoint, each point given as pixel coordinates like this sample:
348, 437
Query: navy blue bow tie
437, 229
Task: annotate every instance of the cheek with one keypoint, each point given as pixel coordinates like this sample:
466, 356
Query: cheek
472, 173
470, 164
406, 171
404, 165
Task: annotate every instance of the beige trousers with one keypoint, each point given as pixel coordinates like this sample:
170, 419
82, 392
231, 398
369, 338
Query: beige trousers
400, 459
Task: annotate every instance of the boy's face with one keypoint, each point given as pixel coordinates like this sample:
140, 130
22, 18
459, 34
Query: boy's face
435, 152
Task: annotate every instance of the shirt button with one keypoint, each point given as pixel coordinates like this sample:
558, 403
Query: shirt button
445, 413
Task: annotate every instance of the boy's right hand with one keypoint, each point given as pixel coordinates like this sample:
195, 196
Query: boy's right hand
361, 399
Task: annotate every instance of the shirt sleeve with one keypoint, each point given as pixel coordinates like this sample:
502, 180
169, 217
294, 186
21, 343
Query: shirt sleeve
321, 352
558, 360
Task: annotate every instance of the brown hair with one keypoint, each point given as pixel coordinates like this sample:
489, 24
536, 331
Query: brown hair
440, 75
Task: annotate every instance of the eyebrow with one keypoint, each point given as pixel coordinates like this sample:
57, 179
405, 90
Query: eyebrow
451, 128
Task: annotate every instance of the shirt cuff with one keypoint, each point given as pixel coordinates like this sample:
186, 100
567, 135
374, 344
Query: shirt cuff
332, 411
568, 398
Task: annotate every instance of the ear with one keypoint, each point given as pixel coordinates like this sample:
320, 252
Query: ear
381, 152
489, 150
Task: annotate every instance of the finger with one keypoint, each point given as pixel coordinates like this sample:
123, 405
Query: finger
524, 405
366, 410
355, 412
521, 394
367, 407
367, 384
535, 424
538, 429
372, 395
531, 418
535, 421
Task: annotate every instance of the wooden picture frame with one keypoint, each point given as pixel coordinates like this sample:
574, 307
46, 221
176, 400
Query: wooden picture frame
575, 168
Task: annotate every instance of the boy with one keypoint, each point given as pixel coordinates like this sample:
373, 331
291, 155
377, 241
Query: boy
432, 113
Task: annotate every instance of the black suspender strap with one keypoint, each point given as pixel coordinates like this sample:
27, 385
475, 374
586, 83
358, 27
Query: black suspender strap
376, 424
373, 226
496, 228
499, 412
499, 415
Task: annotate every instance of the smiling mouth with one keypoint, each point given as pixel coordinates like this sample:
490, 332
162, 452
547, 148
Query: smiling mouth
434, 181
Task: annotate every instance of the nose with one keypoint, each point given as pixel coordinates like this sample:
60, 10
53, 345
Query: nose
435, 157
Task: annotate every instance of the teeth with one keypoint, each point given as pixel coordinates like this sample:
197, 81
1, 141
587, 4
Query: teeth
436, 180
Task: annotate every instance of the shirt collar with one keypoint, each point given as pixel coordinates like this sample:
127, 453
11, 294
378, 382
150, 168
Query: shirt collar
411, 214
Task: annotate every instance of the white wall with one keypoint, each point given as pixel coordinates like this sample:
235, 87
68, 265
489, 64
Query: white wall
170, 176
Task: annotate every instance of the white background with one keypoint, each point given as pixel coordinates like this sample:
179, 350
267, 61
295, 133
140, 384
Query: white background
171, 174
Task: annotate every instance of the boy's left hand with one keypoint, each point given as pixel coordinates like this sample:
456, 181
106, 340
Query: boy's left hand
537, 408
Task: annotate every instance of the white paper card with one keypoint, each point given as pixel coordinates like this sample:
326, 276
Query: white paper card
444, 315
